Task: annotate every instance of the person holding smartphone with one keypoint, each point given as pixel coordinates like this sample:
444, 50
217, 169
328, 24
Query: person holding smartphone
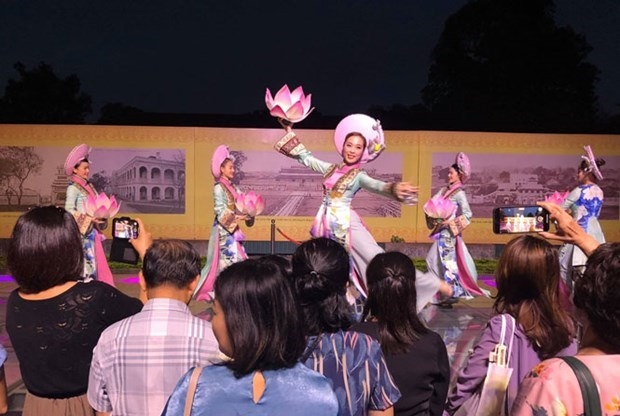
584, 203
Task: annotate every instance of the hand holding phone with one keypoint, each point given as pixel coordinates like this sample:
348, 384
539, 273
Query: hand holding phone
520, 219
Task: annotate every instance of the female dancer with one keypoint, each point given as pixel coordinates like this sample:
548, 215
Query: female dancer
585, 203
77, 167
225, 246
448, 257
359, 139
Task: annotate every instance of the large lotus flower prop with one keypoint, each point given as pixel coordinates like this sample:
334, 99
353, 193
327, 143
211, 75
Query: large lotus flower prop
292, 106
101, 206
557, 197
250, 203
440, 208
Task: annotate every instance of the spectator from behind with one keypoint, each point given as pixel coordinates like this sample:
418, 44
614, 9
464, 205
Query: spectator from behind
528, 278
351, 360
416, 357
53, 319
551, 387
257, 325
139, 360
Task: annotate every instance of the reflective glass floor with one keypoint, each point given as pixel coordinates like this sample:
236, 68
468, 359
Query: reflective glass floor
459, 327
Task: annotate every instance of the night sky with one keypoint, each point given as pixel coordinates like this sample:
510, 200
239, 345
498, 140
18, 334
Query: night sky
202, 56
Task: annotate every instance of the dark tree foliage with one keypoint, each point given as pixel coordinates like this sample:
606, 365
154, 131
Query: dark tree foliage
504, 65
39, 96
120, 114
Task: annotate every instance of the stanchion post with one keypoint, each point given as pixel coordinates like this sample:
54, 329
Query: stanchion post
273, 236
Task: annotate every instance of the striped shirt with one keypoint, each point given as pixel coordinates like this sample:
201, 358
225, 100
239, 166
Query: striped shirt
139, 360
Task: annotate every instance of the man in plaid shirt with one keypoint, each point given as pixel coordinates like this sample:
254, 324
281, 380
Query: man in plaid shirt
138, 361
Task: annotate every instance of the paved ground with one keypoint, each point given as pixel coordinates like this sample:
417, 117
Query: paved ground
458, 327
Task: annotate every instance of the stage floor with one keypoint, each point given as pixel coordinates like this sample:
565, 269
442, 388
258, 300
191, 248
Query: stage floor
459, 327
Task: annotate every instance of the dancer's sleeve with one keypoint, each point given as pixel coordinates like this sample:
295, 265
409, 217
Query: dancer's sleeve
461, 200
571, 199
290, 146
376, 186
225, 216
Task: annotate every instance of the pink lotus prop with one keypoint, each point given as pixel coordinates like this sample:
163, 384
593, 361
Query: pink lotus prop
101, 206
250, 203
440, 208
292, 106
557, 197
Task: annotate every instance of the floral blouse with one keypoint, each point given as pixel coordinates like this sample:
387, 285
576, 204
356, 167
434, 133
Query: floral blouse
551, 388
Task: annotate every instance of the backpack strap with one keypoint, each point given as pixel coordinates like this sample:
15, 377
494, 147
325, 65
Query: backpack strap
191, 390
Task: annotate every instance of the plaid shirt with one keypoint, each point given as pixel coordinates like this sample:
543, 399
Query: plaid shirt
139, 360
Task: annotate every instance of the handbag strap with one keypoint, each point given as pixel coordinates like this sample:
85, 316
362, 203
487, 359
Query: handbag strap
191, 390
589, 392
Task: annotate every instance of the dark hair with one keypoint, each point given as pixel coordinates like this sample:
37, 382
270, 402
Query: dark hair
354, 133
45, 249
261, 317
392, 300
170, 262
528, 281
457, 169
597, 293
585, 167
283, 263
320, 274
77, 165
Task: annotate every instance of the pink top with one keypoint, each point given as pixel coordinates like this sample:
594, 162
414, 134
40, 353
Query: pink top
551, 388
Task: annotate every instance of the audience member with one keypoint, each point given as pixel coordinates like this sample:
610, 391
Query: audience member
256, 324
53, 319
139, 360
351, 360
4, 400
416, 357
527, 276
552, 387
596, 299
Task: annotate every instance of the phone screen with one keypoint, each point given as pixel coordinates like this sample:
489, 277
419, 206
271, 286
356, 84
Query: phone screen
125, 229
524, 219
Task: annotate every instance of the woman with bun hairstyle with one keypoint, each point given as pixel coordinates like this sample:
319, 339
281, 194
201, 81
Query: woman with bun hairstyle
584, 203
353, 361
225, 242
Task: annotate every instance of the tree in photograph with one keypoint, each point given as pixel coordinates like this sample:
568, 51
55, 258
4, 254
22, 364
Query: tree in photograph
504, 65
39, 96
16, 165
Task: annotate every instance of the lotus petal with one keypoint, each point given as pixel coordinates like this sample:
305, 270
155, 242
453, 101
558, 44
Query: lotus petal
557, 197
101, 206
292, 106
250, 203
439, 207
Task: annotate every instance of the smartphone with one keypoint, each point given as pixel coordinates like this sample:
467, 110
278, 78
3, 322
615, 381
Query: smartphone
125, 228
520, 219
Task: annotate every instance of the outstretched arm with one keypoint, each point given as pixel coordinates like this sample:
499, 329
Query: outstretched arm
567, 229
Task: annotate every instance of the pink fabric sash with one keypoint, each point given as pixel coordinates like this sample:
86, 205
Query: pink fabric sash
104, 273
467, 280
